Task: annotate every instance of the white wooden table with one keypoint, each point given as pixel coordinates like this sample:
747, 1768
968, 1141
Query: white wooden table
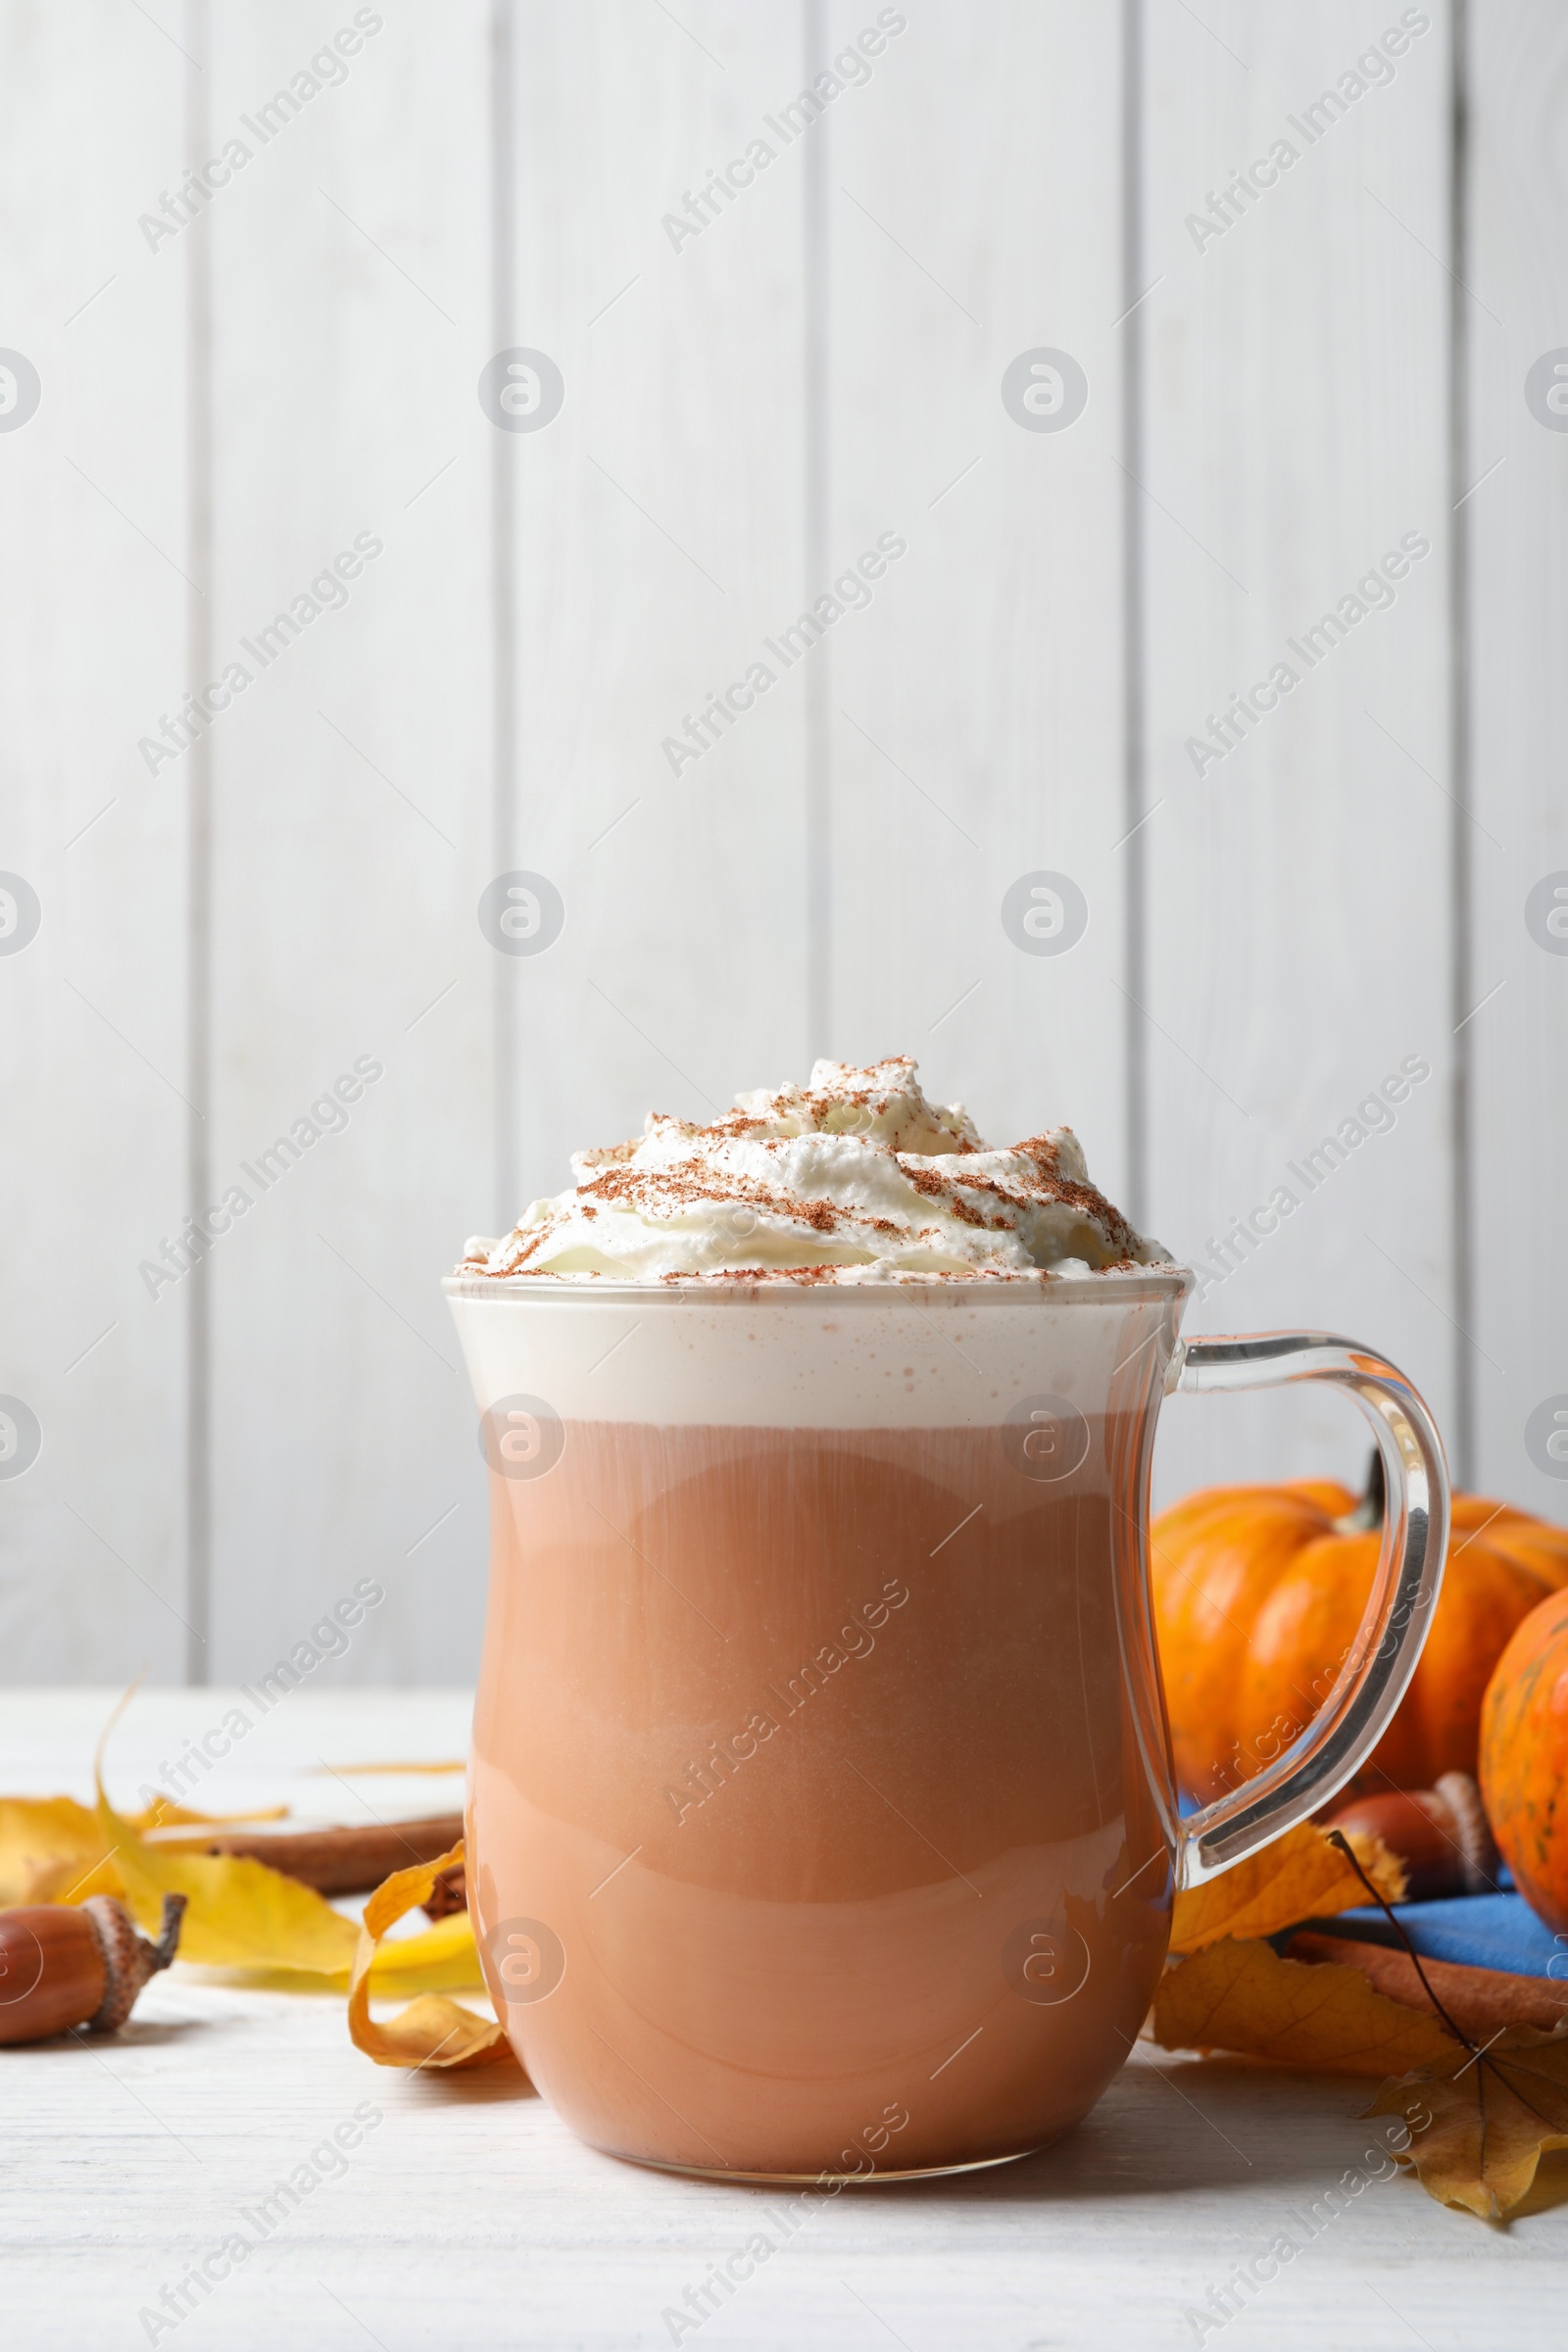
467, 2217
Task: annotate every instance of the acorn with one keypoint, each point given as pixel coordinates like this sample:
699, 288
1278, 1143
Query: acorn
64, 1965
1441, 1835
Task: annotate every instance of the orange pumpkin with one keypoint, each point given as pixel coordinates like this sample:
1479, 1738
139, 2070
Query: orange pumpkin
1258, 1595
1524, 1759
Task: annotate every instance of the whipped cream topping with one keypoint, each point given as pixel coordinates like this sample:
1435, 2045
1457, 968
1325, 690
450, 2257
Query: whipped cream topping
854, 1178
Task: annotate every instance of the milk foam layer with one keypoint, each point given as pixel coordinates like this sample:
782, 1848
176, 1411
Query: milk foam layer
779, 1355
855, 1178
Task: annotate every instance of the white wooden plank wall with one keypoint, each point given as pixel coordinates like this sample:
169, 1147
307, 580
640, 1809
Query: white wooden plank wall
1517, 259
94, 623
1299, 888
973, 196
352, 829
1270, 410
658, 529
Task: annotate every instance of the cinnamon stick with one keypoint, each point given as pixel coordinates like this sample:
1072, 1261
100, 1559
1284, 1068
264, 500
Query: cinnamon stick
449, 1893
336, 1861
1481, 2000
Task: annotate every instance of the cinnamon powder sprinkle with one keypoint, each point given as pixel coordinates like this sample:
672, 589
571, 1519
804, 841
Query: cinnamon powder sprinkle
849, 1161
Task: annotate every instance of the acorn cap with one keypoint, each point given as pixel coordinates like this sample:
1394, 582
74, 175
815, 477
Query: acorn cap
128, 1958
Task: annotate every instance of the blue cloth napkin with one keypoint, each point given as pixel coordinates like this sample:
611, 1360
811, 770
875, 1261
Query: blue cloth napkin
1479, 1931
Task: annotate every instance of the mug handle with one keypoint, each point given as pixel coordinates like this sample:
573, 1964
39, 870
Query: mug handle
1383, 1657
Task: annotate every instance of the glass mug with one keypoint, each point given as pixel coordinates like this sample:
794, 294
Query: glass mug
822, 1819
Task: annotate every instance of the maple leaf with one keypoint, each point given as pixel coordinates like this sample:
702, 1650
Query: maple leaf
1302, 1874
430, 2032
1242, 1996
1493, 2114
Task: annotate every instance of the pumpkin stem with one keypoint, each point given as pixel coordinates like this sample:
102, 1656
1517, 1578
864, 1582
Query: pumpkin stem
1367, 1517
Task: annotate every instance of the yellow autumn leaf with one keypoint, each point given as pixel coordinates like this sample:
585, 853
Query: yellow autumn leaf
45, 1840
430, 2032
1493, 2114
1300, 1876
239, 1913
1243, 1997
66, 1882
165, 1813
53, 1851
440, 1959
242, 1914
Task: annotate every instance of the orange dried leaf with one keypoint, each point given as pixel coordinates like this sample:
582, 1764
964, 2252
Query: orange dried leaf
1300, 1876
1243, 1997
432, 2031
1491, 2118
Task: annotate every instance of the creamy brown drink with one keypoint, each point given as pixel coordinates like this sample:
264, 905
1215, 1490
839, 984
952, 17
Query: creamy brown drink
893, 1848
803, 1750
821, 1809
